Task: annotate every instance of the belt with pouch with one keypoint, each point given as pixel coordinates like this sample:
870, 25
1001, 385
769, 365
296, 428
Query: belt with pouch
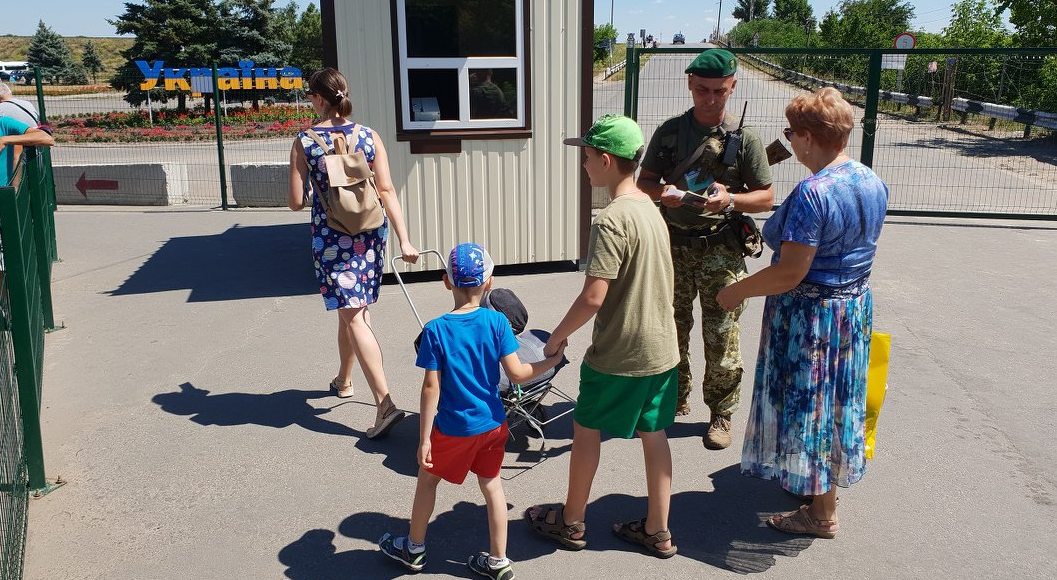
719, 234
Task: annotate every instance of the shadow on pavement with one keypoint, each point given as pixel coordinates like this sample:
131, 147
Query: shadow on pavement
975, 144
279, 409
242, 262
314, 557
290, 407
724, 528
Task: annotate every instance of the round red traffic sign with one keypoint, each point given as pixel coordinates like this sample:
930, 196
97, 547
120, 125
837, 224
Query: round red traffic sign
905, 41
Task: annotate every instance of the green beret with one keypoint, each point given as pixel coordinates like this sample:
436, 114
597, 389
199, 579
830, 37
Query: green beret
713, 63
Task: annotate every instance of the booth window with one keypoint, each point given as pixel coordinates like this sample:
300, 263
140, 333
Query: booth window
462, 66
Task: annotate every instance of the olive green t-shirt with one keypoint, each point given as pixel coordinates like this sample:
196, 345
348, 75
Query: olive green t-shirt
634, 331
678, 138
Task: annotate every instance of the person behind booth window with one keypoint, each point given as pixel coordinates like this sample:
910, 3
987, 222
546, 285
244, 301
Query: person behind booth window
703, 259
808, 411
349, 267
487, 100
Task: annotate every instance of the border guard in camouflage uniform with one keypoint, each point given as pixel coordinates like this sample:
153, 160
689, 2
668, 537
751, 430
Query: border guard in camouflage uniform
704, 258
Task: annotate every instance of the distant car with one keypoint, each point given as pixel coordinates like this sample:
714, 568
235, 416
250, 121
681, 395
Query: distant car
678, 38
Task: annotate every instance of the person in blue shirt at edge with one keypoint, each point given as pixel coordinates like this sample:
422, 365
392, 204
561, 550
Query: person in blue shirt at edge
463, 424
13, 136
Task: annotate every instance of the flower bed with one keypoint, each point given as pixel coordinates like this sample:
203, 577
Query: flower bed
171, 125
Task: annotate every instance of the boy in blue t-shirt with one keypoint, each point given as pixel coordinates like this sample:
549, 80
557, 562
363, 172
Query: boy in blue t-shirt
462, 421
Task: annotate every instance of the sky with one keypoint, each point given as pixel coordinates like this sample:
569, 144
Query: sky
694, 18
74, 17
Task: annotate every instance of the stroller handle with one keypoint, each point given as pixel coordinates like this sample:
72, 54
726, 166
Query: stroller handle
400, 280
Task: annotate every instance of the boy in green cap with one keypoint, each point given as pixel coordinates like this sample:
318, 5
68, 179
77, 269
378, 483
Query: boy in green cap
693, 145
628, 377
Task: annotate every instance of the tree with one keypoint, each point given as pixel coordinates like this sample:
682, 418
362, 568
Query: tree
865, 23
250, 30
307, 50
603, 33
48, 50
795, 11
1035, 21
90, 60
975, 24
747, 10
182, 33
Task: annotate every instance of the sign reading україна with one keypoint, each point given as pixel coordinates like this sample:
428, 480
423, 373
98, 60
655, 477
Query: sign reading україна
200, 79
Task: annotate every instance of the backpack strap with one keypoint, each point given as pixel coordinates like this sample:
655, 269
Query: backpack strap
319, 141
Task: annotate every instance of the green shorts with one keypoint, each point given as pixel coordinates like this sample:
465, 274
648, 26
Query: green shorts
621, 405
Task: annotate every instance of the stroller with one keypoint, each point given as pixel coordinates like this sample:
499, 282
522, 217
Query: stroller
523, 403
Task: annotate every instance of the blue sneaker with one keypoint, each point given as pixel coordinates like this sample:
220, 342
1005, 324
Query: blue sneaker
412, 561
479, 563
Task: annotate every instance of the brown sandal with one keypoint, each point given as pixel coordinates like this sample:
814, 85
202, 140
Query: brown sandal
558, 531
801, 522
635, 532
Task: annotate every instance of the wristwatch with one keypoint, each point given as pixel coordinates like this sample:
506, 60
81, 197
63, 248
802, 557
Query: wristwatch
730, 205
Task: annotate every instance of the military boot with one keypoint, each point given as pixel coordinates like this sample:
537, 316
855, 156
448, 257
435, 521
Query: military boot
718, 436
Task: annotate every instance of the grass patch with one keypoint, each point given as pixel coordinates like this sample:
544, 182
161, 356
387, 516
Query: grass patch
109, 50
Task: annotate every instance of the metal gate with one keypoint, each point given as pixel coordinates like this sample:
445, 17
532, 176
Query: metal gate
941, 132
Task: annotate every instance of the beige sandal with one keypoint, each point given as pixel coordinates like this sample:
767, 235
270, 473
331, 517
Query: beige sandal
391, 417
802, 522
343, 391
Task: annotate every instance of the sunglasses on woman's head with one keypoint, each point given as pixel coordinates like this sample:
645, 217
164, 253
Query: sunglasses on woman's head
789, 132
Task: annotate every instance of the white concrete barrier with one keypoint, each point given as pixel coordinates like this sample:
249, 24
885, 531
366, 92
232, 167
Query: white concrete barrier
260, 184
125, 184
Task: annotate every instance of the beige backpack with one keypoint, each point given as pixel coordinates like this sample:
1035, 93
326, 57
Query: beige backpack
352, 203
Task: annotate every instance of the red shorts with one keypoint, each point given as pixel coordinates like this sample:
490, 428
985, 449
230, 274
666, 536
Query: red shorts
454, 457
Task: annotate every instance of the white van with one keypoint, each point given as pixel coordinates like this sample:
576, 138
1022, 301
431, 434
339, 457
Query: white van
14, 70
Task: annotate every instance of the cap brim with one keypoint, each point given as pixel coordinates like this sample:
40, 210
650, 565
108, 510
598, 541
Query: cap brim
577, 142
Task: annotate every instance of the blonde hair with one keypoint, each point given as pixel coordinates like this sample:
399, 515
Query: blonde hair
332, 86
825, 114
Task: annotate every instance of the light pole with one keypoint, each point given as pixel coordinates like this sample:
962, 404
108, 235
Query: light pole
719, 19
611, 40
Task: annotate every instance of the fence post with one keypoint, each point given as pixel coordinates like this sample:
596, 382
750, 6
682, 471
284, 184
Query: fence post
40, 96
631, 73
220, 140
869, 120
37, 176
26, 335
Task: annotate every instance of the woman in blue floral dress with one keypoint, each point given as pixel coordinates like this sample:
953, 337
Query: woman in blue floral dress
349, 267
809, 398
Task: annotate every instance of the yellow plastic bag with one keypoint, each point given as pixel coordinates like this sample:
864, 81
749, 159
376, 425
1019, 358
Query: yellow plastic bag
876, 385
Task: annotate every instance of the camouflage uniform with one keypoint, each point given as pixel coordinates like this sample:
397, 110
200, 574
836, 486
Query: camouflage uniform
701, 272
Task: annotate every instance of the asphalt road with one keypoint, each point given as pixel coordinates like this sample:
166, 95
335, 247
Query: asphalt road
186, 404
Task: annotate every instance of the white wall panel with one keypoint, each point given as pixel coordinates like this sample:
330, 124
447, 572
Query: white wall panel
519, 197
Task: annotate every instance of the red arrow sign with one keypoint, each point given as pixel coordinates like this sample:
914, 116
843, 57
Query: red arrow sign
83, 184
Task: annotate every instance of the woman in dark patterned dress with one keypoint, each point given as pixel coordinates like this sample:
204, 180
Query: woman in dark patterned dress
349, 267
809, 398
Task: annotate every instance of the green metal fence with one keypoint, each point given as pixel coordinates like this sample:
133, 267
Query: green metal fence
946, 137
27, 234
